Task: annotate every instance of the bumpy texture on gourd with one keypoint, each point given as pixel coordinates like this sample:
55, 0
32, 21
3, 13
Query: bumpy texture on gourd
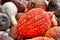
34, 23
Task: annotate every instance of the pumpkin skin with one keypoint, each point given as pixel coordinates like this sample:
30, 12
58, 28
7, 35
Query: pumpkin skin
54, 33
41, 38
54, 20
36, 4
25, 5
34, 23
18, 15
15, 34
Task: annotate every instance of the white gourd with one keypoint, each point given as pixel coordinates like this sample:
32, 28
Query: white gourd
10, 9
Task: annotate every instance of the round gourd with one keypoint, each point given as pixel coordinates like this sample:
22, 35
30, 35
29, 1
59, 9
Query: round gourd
34, 23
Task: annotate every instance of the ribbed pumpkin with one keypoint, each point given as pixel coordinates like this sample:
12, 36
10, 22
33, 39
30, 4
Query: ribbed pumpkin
34, 23
42, 38
54, 33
